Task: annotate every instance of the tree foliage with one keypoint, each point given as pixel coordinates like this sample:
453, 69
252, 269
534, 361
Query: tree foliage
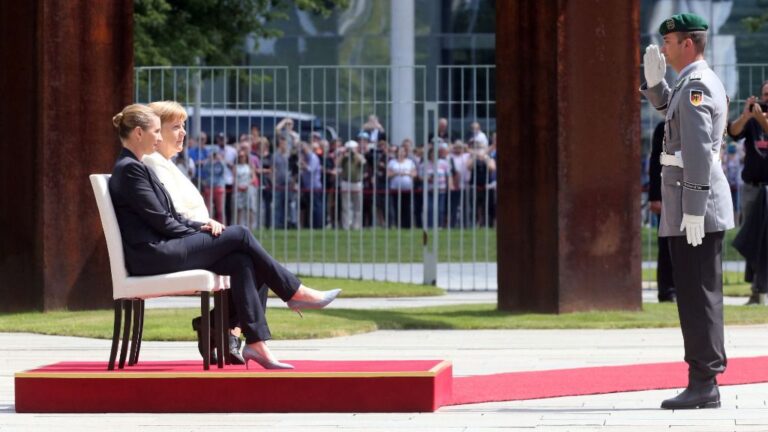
753, 24
168, 32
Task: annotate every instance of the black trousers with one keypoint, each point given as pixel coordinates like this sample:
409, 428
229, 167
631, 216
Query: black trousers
698, 274
235, 253
664, 278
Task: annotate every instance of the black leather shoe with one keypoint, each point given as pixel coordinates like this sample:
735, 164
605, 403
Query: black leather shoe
695, 396
668, 299
196, 328
233, 355
753, 300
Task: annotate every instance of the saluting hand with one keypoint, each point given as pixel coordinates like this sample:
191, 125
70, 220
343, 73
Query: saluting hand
654, 65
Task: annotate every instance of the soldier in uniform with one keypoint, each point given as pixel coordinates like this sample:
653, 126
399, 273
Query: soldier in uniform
696, 204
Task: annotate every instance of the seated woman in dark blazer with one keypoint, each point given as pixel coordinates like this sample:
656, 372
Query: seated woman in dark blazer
156, 239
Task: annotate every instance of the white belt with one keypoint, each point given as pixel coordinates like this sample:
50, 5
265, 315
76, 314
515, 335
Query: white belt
677, 160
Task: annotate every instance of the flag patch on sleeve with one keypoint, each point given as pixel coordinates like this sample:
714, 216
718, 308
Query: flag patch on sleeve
697, 96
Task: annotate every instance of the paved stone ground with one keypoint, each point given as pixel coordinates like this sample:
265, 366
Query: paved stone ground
745, 407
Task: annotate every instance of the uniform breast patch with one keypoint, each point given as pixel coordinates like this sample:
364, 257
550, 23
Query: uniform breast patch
697, 96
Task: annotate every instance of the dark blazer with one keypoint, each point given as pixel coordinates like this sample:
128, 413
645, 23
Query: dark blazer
145, 212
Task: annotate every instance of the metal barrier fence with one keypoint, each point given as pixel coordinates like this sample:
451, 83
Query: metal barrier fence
370, 222
325, 208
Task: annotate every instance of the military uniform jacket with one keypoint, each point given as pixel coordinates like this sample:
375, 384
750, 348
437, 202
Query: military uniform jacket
695, 114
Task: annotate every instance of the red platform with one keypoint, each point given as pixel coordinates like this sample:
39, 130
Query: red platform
182, 386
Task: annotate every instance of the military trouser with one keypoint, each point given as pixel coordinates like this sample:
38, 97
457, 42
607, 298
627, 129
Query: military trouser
698, 275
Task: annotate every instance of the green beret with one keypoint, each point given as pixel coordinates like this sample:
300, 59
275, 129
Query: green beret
683, 23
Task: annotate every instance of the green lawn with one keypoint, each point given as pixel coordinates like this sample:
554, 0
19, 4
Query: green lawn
174, 324
378, 245
407, 245
733, 282
737, 290
650, 247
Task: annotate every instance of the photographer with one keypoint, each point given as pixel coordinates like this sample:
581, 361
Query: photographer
351, 163
752, 126
373, 128
285, 129
401, 172
312, 198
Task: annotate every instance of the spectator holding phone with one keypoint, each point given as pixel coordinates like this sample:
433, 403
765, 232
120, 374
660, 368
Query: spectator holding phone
752, 126
351, 164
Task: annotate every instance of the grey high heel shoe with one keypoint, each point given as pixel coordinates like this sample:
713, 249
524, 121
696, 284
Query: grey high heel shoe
251, 354
325, 300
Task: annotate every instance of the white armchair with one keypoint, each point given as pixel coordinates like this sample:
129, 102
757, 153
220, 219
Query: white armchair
129, 292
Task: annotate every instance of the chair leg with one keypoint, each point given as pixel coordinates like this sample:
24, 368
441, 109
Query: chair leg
126, 333
135, 332
118, 304
141, 331
225, 323
205, 309
217, 326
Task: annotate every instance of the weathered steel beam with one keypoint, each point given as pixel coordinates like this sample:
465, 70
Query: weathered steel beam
569, 155
67, 69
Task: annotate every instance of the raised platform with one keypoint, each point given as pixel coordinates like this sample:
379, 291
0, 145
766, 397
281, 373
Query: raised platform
182, 386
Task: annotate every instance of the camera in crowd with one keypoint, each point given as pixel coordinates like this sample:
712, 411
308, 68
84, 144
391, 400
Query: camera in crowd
763, 106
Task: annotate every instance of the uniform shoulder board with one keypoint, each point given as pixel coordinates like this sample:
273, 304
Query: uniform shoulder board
696, 76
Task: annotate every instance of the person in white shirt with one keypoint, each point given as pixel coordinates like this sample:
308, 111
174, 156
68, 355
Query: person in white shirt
459, 196
401, 172
185, 196
478, 138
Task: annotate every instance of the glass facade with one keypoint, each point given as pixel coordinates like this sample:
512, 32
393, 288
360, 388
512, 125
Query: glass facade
454, 32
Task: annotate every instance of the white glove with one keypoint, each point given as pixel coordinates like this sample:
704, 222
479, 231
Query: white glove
694, 229
654, 65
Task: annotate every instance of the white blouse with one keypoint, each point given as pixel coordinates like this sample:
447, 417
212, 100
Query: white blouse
186, 198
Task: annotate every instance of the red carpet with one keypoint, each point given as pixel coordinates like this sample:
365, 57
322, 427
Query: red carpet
595, 380
331, 386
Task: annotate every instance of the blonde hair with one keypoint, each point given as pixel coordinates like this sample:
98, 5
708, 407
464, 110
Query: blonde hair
131, 117
169, 111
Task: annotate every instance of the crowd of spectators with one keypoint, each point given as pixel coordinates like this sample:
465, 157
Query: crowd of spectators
366, 181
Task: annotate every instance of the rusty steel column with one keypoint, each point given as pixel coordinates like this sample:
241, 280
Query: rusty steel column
568, 115
67, 69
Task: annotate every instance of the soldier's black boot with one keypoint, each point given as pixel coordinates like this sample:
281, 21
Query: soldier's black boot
696, 395
753, 299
